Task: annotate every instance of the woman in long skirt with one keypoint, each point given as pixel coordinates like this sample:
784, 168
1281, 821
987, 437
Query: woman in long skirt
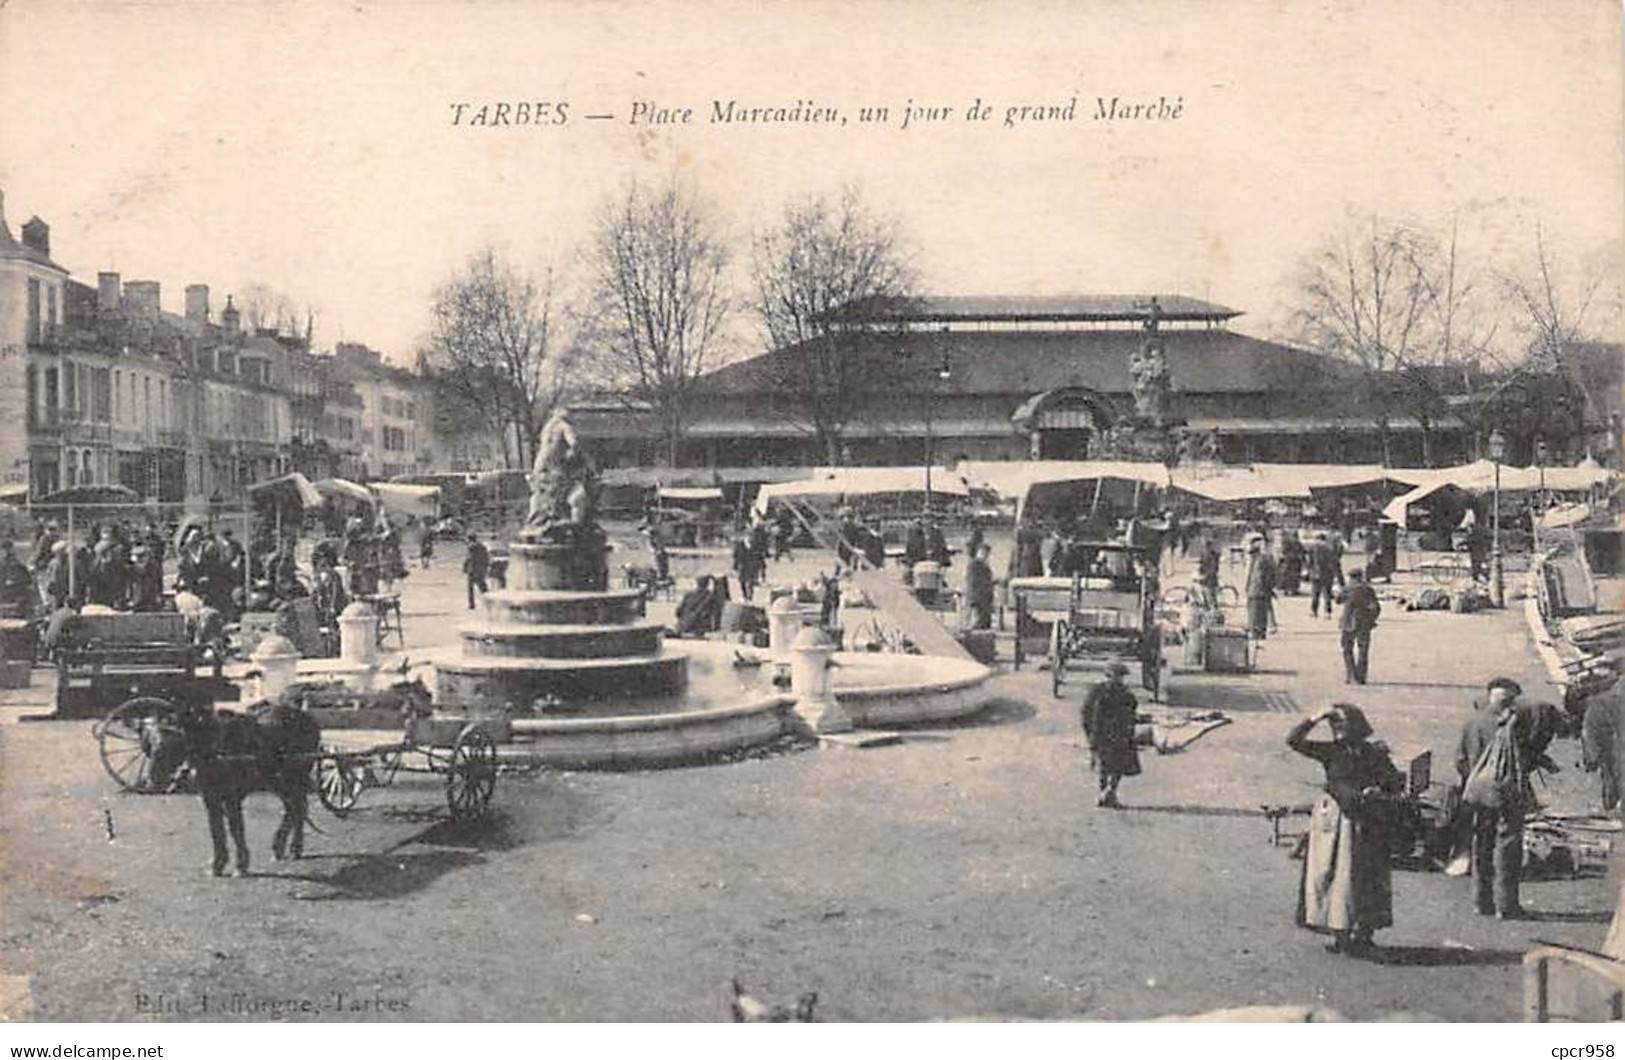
1345, 887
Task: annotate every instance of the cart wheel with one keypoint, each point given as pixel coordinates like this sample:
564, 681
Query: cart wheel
338, 784
385, 766
131, 735
1057, 657
471, 776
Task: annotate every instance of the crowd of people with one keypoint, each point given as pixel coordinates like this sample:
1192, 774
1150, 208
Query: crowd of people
136, 566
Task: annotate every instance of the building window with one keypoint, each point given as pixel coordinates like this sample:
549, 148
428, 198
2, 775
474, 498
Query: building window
53, 398
33, 334
104, 396
33, 396
69, 389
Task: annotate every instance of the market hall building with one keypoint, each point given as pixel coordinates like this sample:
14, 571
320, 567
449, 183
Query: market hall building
1022, 378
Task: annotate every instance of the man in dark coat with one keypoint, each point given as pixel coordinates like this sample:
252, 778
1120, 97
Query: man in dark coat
1498, 830
913, 549
1322, 573
1359, 618
1108, 720
1599, 743
19, 595
476, 564
1291, 562
936, 546
1207, 569
699, 610
979, 589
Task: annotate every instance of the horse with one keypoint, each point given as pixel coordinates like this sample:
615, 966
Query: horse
233, 755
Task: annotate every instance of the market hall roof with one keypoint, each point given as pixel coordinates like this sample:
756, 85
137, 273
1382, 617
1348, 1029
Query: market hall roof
1035, 308
1029, 362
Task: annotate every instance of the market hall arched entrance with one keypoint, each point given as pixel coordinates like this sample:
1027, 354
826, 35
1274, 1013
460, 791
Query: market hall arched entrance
1063, 424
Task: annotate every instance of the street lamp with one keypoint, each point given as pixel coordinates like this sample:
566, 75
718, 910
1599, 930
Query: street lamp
1498, 448
945, 372
1540, 462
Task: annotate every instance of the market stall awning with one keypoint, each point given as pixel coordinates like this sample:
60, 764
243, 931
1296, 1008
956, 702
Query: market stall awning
1403, 509
1012, 478
15, 493
400, 498
104, 494
691, 493
864, 481
339, 487
293, 485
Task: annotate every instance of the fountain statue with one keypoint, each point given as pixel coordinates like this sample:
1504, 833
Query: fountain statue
1147, 433
563, 482
557, 631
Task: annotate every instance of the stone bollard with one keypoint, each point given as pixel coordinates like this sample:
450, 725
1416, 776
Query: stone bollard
810, 662
783, 623
278, 663
358, 634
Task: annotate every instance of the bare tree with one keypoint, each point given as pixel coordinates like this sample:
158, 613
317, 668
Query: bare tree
1459, 334
820, 260
1555, 318
1555, 302
262, 306
659, 301
494, 347
1362, 296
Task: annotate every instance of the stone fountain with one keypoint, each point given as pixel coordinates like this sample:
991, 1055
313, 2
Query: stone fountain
558, 632
581, 677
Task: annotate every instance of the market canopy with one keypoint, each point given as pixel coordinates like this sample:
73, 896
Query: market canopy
400, 498
104, 494
293, 486
339, 487
15, 493
1421, 507
1060, 499
691, 493
1012, 478
863, 482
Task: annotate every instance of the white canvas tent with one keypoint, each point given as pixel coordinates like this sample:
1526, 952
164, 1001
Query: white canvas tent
691, 493
399, 498
863, 481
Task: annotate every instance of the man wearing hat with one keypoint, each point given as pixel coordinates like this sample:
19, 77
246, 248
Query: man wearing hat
19, 595
1260, 586
1498, 830
476, 564
1359, 618
1108, 720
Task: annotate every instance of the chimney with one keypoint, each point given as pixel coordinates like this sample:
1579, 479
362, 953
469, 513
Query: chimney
37, 235
230, 319
141, 296
197, 303
107, 292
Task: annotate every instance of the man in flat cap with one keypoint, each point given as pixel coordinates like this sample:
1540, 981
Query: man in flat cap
1498, 829
1108, 720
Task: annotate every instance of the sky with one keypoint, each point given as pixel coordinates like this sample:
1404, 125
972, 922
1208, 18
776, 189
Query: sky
310, 146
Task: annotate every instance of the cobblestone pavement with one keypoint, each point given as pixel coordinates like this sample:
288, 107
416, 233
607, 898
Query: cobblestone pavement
962, 873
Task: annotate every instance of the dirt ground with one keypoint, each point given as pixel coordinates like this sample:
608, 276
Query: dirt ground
962, 873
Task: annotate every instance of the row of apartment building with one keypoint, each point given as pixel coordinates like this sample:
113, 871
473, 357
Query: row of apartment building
101, 385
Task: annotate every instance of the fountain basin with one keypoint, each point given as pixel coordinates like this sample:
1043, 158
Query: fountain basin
530, 641
515, 683
728, 703
652, 739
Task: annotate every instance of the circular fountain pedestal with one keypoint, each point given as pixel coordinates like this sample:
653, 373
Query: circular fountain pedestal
558, 631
